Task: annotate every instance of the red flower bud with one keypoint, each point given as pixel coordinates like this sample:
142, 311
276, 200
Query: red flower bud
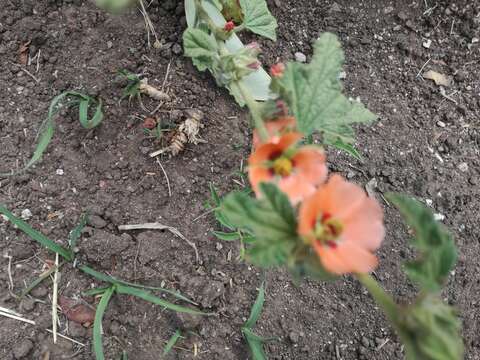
149, 123
229, 26
277, 70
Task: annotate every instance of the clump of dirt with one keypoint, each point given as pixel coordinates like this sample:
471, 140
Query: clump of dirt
425, 143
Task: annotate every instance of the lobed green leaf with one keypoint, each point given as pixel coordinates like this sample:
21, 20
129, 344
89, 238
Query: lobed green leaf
435, 245
430, 330
314, 94
258, 19
271, 220
201, 47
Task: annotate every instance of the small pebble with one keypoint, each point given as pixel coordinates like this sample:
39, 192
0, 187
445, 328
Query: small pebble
300, 57
59, 172
441, 124
22, 349
26, 214
463, 167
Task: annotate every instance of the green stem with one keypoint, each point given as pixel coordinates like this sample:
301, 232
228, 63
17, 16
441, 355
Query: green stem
239, 28
254, 109
381, 297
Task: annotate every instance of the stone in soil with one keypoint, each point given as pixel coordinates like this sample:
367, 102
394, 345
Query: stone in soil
22, 349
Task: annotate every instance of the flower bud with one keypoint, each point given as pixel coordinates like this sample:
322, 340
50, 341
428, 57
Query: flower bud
277, 70
229, 26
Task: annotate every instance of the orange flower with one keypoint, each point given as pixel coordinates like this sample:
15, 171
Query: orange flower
296, 171
275, 130
343, 225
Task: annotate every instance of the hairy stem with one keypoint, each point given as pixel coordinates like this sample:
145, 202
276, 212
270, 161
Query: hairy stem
381, 297
254, 108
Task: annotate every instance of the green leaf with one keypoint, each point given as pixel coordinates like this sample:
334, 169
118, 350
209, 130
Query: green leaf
39, 280
271, 220
112, 280
430, 330
436, 247
47, 129
257, 308
348, 148
255, 343
201, 47
231, 236
147, 296
124, 355
258, 19
76, 232
171, 343
314, 94
97, 324
83, 113
36, 235
114, 6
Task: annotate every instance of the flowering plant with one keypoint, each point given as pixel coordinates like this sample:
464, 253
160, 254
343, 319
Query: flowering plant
313, 223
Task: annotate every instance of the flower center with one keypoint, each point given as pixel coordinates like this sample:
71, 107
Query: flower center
327, 230
282, 166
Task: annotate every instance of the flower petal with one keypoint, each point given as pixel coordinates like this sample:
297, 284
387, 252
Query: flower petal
296, 187
365, 226
346, 258
275, 130
310, 162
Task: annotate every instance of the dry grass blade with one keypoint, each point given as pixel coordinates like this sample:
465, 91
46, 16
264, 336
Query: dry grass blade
55, 301
158, 226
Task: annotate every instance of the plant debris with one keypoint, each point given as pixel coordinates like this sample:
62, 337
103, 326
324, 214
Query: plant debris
76, 311
438, 78
187, 132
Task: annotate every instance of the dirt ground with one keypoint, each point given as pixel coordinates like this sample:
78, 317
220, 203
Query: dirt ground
424, 144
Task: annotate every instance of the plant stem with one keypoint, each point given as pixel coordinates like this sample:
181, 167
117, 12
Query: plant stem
381, 297
254, 109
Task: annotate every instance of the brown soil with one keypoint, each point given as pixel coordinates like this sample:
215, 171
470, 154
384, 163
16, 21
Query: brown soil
423, 144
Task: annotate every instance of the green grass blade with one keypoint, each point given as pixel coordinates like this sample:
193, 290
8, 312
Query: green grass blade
47, 129
124, 355
39, 280
112, 280
77, 231
227, 236
83, 113
97, 324
256, 309
36, 235
171, 343
95, 291
46, 134
255, 343
147, 296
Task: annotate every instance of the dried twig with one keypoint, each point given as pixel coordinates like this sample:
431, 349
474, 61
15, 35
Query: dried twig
55, 301
158, 226
379, 347
9, 272
166, 177
419, 74
149, 26
16, 317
